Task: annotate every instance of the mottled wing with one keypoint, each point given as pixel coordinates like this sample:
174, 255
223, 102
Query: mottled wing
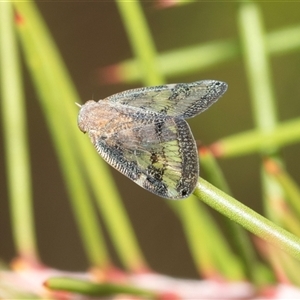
160, 157
183, 99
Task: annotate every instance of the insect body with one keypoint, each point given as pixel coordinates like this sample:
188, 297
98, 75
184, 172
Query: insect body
143, 133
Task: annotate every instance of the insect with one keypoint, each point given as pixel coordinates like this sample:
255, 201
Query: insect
143, 133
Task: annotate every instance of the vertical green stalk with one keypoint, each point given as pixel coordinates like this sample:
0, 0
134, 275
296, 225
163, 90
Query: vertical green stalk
263, 100
15, 137
239, 237
47, 71
253, 39
214, 258
143, 47
113, 211
76, 154
141, 41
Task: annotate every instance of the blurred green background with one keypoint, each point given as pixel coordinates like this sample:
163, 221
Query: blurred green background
90, 36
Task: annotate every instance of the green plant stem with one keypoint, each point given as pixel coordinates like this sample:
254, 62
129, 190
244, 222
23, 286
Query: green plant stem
240, 239
46, 70
95, 289
213, 259
188, 59
291, 190
257, 66
262, 91
76, 154
246, 217
254, 141
16, 138
141, 41
112, 209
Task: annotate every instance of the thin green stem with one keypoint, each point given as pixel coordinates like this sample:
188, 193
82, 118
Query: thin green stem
141, 41
208, 55
104, 290
46, 70
239, 237
76, 154
16, 138
261, 89
246, 217
213, 258
252, 141
257, 66
291, 189
112, 209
